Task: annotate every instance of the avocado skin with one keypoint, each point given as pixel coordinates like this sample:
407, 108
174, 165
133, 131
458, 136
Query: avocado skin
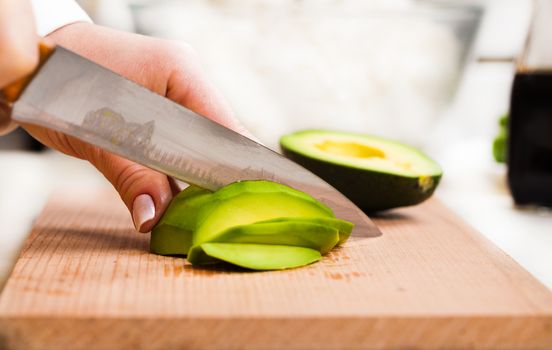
371, 191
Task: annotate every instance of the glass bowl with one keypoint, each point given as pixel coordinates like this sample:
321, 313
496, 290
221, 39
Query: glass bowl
386, 68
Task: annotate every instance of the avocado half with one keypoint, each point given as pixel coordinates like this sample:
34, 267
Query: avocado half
375, 173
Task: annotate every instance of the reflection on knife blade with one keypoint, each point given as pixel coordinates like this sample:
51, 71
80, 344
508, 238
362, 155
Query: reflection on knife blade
121, 132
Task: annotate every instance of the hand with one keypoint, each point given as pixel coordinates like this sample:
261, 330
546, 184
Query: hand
18, 48
168, 68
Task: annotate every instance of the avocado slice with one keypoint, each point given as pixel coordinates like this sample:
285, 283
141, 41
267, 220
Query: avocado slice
375, 173
262, 186
343, 227
259, 225
301, 233
173, 234
248, 208
256, 256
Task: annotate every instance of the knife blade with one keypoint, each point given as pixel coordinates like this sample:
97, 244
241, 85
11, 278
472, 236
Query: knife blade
78, 97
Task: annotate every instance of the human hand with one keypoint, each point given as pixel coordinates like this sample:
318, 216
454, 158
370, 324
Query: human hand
18, 48
168, 68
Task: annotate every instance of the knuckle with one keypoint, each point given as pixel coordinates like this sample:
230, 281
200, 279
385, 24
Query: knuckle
188, 50
126, 177
130, 179
182, 52
66, 144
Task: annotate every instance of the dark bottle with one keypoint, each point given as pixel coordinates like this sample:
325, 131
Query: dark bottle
530, 138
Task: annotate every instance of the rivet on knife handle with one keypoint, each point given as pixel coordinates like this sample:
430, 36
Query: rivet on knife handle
12, 92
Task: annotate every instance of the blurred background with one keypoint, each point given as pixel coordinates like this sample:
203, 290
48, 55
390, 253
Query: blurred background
433, 74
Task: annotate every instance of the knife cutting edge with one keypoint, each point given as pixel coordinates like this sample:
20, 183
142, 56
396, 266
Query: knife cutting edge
73, 95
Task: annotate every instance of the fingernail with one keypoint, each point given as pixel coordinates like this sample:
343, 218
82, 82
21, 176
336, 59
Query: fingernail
143, 210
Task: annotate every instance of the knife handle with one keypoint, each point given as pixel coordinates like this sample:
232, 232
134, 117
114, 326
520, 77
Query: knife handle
11, 93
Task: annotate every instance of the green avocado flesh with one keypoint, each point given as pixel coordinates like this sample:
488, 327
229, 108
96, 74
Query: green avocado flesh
343, 227
249, 208
173, 234
375, 173
500, 143
272, 225
261, 257
262, 187
291, 232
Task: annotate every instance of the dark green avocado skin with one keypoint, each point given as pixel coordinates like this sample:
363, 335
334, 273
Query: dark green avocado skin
371, 191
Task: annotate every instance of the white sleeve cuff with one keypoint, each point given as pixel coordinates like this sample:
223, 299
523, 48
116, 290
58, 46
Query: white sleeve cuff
54, 14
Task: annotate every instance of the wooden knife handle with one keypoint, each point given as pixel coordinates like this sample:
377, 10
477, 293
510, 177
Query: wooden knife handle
11, 93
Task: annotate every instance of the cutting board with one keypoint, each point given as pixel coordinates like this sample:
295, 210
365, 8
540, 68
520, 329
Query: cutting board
85, 279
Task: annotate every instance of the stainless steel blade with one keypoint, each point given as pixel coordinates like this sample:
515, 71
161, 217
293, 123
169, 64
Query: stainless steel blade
77, 97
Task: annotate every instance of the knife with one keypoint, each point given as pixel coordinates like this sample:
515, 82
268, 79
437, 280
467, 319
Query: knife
73, 95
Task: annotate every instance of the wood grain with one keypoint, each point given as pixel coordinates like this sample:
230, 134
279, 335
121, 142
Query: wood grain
86, 280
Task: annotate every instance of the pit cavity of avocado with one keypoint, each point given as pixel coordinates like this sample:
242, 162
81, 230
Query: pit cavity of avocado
350, 149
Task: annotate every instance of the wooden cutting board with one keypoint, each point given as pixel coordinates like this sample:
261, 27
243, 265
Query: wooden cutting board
85, 279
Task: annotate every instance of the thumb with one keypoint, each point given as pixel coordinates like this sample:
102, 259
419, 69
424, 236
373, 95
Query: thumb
145, 192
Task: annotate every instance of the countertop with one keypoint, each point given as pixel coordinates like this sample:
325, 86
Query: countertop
473, 184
